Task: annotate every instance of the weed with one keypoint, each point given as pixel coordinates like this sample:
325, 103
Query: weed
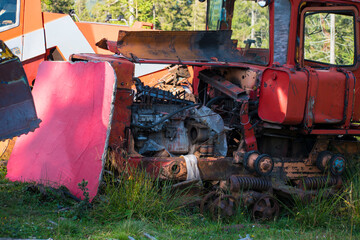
2, 171
352, 197
317, 210
81, 209
135, 194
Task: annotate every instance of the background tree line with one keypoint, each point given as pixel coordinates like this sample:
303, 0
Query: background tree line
249, 21
164, 14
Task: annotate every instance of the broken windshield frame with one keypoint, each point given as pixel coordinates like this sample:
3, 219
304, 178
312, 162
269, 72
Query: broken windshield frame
249, 24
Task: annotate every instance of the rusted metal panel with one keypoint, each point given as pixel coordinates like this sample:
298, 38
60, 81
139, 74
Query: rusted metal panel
124, 72
179, 46
17, 109
174, 168
326, 101
223, 85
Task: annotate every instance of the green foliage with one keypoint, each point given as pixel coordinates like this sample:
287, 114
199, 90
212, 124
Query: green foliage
318, 35
2, 171
175, 15
250, 22
81, 11
138, 196
81, 209
25, 214
352, 193
165, 15
57, 6
322, 210
103, 8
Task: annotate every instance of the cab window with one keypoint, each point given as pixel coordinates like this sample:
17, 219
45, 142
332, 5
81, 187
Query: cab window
215, 14
250, 23
9, 14
250, 31
329, 38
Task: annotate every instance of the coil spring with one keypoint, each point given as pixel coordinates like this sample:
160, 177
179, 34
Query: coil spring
318, 182
238, 183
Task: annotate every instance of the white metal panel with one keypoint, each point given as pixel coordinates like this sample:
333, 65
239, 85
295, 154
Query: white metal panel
34, 44
64, 34
15, 45
146, 68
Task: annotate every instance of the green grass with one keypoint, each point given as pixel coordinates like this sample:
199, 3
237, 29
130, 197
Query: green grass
132, 206
138, 196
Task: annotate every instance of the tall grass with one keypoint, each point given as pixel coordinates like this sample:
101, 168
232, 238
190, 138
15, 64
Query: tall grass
321, 210
326, 210
139, 196
352, 190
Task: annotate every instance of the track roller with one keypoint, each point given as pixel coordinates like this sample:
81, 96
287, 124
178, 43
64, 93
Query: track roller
336, 163
264, 165
265, 209
249, 160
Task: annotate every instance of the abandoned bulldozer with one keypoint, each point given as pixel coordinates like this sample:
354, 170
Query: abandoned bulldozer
256, 119
253, 114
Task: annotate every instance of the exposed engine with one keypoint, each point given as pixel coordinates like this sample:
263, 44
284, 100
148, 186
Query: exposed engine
164, 124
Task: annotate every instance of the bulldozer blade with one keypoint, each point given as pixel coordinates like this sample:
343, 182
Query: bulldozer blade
17, 109
175, 46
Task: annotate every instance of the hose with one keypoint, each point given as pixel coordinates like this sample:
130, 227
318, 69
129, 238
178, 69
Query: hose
215, 99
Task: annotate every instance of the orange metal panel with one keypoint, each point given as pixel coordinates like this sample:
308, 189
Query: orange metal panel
32, 16
49, 17
94, 32
282, 96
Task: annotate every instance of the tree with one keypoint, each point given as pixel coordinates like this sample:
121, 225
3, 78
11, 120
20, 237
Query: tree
199, 15
81, 11
57, 6
250, 22
115, 8
329, 38
174, 15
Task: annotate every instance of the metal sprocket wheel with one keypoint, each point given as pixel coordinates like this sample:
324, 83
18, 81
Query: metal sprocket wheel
265, 209
207, 200
223, 207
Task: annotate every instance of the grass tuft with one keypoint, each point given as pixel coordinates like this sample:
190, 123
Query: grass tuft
139, 196
352, 197
322, 210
